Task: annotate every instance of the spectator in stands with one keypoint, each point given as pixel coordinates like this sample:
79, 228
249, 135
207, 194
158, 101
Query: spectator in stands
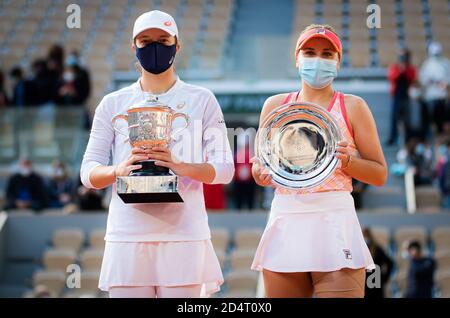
416, 118
381, 259
401, 75
420, 273
3, 96
214, 197
22, 87
358, 190
60, 186
244, 186
89, 199
25, 189
435, 78
74, 86
55, 68
419, 156
43, 86
443, 173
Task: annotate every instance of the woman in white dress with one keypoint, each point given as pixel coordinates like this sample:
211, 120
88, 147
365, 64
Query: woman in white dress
313, 244
159, 249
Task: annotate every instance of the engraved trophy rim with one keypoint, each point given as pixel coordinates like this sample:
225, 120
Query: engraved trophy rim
289, 126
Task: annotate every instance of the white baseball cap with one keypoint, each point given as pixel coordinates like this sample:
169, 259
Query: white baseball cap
155, 20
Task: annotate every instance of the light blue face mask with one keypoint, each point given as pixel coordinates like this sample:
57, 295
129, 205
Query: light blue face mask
317, 72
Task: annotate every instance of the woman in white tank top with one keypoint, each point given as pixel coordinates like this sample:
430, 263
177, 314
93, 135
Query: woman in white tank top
313, 244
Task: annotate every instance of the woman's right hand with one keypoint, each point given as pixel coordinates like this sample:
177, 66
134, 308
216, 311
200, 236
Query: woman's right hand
124, 168
260, 173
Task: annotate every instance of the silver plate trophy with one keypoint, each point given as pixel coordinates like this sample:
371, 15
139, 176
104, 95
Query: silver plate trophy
149, 125
297, 143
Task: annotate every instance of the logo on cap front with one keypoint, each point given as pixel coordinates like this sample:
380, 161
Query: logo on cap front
167, 23
320, 31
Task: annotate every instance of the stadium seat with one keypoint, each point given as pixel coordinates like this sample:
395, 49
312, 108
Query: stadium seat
405, 234
220, 238
53, 280
58, 259
441, 239
401, 281
89, 282
443, 284
241, 259
382, 236
443, 262
70, 238
428, 198
247, 238
91, 259
222, 257
241, 279
241, 293
97, 238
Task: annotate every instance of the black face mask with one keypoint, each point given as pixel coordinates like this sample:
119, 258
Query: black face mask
156, 58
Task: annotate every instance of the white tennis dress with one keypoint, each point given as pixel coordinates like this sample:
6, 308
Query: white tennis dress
315, 230
165, 244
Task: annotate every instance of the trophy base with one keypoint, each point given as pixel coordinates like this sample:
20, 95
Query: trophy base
148, 189
149, 169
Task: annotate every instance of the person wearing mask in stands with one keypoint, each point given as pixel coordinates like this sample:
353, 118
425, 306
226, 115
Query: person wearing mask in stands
60, 186
434, 77
159, 249
25, 189
420, 273
382, 260
74, 85
416, 117
401, 75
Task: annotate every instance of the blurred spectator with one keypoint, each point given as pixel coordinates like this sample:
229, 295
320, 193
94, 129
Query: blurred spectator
25, 189
55, 66
435, 78
444, 175
381, 259
89, 199
74, 86
416, 116
60, 187
357, 193
420, 273
22, 88
400, 76
243, 184
419, 156
44, 87
214, 196
3, 96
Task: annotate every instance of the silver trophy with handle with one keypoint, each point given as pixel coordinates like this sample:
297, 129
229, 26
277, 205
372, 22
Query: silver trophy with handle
149, 125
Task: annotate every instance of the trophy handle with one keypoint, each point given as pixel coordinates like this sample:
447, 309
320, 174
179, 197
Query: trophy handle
124, 117
186, 118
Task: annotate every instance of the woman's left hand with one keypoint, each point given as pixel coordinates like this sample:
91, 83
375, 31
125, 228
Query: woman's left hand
343, 153
163, 157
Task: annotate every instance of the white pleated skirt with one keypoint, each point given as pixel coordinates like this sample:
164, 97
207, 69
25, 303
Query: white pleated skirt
315, 232
161, 264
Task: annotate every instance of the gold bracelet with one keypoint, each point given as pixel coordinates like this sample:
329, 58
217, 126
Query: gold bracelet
348, 162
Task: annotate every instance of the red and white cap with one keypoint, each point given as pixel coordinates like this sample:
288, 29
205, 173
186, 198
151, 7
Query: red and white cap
155, 20
318, 33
